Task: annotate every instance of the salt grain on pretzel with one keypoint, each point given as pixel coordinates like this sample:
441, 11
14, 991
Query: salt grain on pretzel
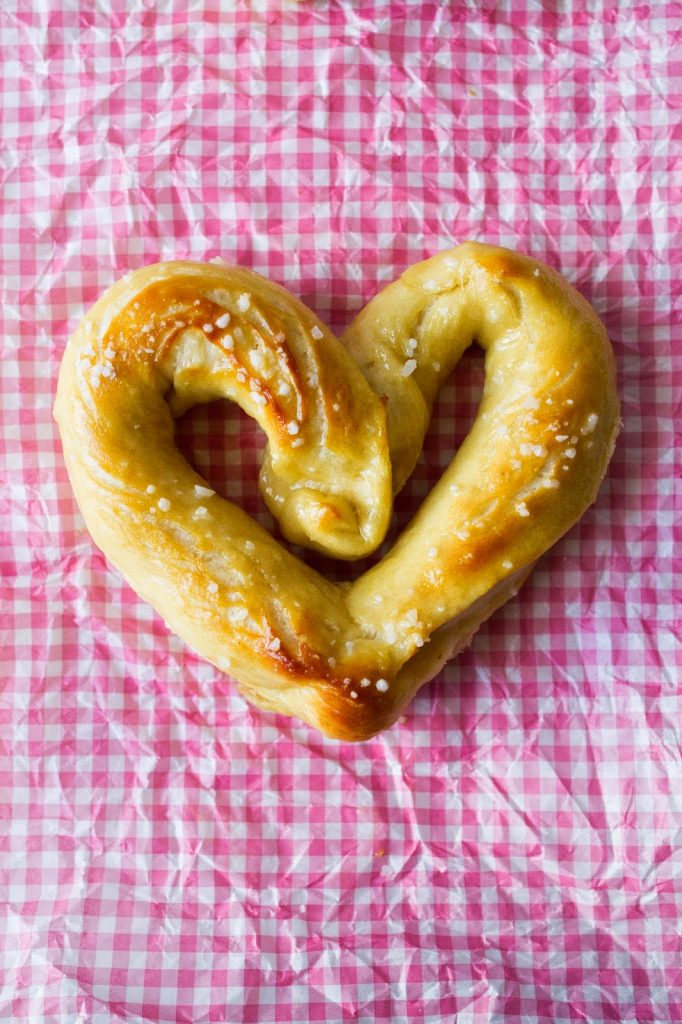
345, 425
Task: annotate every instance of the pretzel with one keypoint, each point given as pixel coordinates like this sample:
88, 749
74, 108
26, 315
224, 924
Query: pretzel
345, 422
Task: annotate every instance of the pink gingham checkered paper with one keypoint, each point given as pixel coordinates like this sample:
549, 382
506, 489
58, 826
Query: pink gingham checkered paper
511, 850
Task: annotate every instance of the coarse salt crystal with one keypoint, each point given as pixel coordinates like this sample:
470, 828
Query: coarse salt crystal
201, 512
243, 302
561, 437
536, 272
259, 399
151, 489
569, 401
274, 644
203, 492
292, 427
207, 328
164, 504
574, 439
365, 682
507, 565
570, 453
316, 333
222, 321
228, 342
411, 346
550, 483
297, 443
213, 588
408, 368
382, 685
590, 424
353, 695
237, 614
522, 509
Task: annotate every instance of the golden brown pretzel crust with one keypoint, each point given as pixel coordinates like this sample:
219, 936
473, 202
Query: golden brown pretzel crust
343, 431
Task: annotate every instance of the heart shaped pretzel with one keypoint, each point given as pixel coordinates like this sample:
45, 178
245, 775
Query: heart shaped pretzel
345, 423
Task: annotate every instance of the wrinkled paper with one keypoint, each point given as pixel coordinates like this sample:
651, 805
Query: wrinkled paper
509, 851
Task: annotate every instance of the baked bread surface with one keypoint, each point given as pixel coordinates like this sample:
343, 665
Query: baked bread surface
345, 422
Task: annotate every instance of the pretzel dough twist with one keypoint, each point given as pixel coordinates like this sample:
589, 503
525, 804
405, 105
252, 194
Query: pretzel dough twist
345, 424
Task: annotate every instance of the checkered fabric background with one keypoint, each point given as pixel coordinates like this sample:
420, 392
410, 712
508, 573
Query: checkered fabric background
511, 850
